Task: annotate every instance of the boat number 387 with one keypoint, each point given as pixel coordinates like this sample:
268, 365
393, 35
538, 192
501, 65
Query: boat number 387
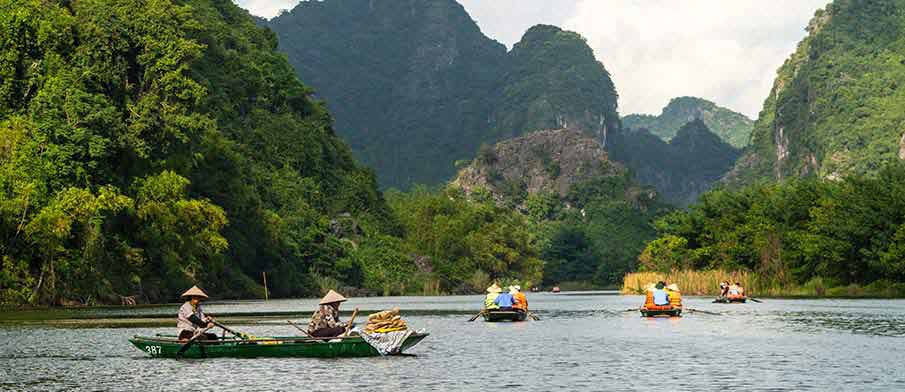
153, 350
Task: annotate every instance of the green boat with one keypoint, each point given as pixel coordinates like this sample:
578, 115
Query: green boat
277, 347
494, 316
672, 312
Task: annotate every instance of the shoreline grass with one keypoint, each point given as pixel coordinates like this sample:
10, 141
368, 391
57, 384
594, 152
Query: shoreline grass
706, 283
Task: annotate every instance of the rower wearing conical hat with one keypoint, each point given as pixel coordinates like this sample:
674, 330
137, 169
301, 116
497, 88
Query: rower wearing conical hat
492, 293
191, 318
325, 320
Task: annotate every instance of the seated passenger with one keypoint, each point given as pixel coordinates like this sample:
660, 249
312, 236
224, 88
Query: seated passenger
661, 297
504, 301
675, 297
724, 289
492, 293
521, 302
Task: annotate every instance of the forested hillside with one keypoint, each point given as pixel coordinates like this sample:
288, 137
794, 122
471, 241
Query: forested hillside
410, 82
734, 128
147, 146
589, 219
836, 105
690, 164
416, 86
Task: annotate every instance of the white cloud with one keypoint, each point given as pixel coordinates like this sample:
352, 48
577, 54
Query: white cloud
507, 20
725, 51
266, 8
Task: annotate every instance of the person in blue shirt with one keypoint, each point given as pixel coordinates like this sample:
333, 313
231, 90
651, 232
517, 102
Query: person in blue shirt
661, 297
505, 301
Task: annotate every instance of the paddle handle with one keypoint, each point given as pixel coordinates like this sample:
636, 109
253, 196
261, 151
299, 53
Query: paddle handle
351, 320
304, 332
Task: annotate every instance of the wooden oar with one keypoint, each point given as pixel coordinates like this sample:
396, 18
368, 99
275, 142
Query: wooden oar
704, 311
351, 320
304, 332
476, 316
191, 341
240, 335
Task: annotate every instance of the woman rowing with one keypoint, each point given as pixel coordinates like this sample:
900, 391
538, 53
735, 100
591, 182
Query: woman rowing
325, 320
191, 319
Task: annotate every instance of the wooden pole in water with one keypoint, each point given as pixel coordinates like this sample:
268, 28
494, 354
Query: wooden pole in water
266, 294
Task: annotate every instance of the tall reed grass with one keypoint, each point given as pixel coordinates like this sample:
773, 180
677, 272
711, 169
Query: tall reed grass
708, 283
690, 282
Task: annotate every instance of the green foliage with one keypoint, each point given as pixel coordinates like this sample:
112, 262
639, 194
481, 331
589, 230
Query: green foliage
733, 128
552, 80
849, 232
461, 237
145, 146
835, 108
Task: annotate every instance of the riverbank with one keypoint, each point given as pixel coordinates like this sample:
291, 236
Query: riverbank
706, 283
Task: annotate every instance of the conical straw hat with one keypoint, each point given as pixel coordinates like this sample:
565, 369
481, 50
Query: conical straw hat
194, 292
332, 297
494, 289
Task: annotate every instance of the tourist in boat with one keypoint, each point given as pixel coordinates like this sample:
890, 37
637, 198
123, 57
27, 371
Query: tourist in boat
325, 320
740, 291
661, 297
724, 289
490, 300
191, 318
675, 296
519, 299
505, 300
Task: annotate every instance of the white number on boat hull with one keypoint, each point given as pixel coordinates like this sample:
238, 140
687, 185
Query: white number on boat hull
153, 350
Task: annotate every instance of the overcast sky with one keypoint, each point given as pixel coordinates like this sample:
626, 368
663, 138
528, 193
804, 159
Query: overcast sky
726, 51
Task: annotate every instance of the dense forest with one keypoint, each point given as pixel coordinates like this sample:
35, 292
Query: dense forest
801, 231
150, 145
734, 128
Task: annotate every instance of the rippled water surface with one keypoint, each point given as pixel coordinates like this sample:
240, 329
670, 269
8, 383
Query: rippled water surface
584, 342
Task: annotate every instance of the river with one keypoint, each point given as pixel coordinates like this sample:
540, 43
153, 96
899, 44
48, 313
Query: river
583, 342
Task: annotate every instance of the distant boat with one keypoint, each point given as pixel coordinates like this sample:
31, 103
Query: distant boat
555, 289
730, 300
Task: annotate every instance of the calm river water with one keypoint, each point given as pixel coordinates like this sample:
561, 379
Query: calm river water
584, 342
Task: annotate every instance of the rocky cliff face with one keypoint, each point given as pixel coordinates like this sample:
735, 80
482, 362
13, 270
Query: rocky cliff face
836, 104
539, 162
734, 128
